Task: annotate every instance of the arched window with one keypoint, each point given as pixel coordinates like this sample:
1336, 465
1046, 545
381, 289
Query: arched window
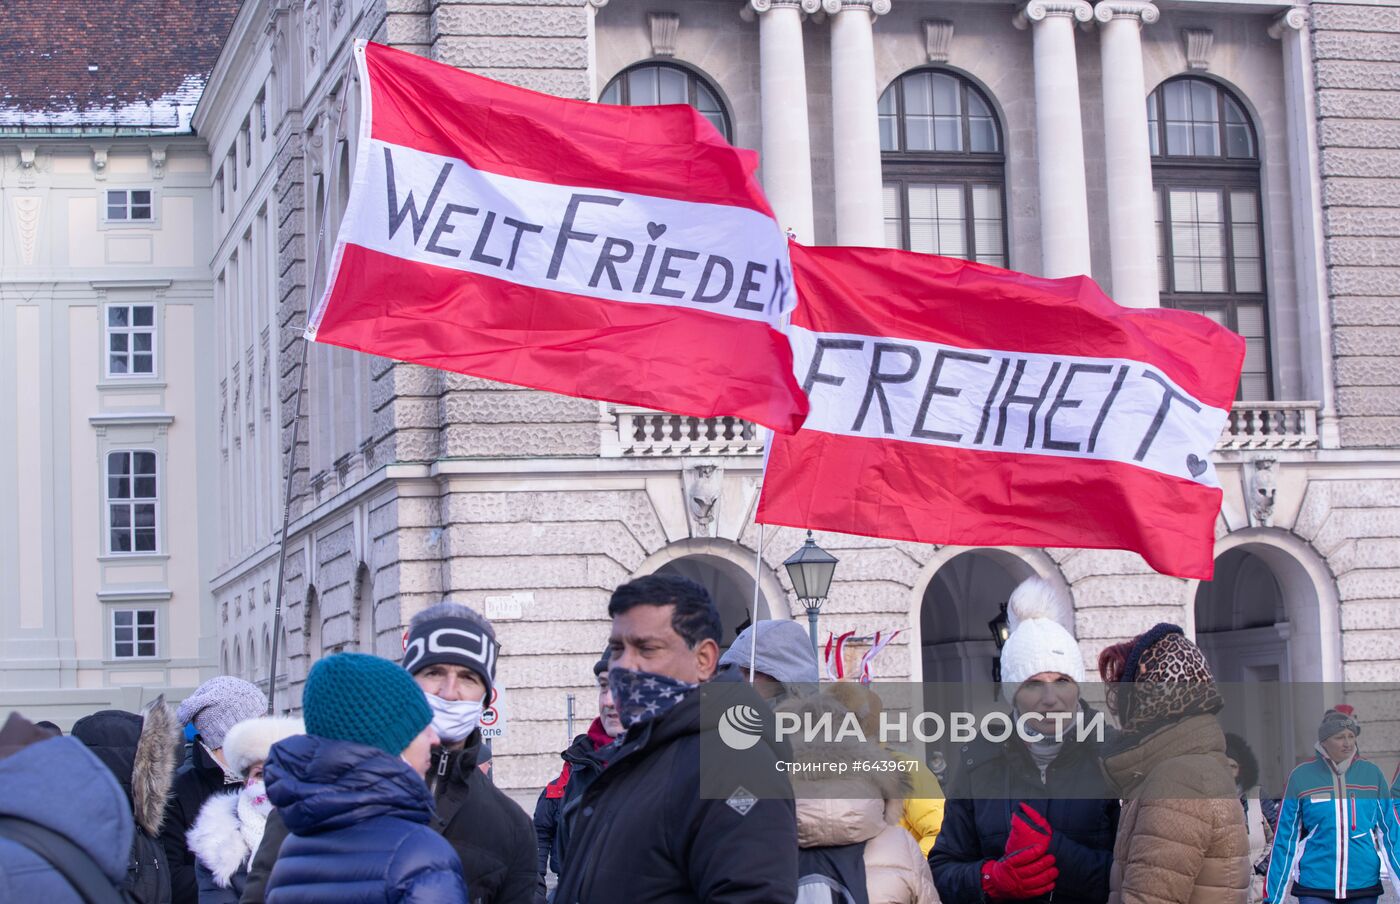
663, 83
944, 168
1210, 241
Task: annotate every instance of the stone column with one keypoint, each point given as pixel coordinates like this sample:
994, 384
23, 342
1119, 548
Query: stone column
1305, 188
855, 121
1132, 240
782, 84
1059, 135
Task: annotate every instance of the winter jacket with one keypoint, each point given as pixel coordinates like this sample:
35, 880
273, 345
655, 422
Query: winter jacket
489, 831
140, 752
224, 838
198, 779
255, 885
60, 785
864, 809
922, 813
644, 835
359, 821
1325, 832
992, 780
1181, 838
581, 766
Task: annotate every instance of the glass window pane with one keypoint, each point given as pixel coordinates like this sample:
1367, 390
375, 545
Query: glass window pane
121, 650
143, 315
889, 133
140, 196
918, 132
122, 617
1152, 128
142, 363
145, 540
118, 463
116, 342
140, 213
1239, 143
118, 487
1207, 140
947, 133
145, 487
976, 106
1174, 98
144, 462
642, 89
1186, 274
893, 232
146, 648
922, 237
984, 135
1203, 101
116, 213
705, 99
672, 86
612, 94
121, 540
140, 342
116, 364
717, 120
1213, 275
887, 102
947, 95
116, 197
145, 515
146, 633
1178, 138
1254, 387
148, 617
918, 94
117, 315
121, 516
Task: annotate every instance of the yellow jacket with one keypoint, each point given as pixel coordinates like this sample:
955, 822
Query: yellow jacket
923, 809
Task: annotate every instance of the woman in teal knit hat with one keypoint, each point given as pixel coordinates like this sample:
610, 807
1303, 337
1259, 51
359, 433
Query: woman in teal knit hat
351, 792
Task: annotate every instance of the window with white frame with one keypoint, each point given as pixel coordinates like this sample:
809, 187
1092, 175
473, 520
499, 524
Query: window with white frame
131, 340
134, 634
132, 497
130, 205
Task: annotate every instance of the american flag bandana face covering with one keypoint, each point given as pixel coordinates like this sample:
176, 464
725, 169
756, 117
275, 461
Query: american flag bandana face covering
642, 696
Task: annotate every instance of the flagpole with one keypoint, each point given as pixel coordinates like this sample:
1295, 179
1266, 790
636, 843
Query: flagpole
286, 521
296, 435
757, 570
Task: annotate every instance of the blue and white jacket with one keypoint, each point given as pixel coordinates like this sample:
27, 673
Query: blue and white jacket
1328, 831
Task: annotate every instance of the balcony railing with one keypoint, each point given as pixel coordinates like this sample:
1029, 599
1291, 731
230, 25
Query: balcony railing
642, 433
1271, 425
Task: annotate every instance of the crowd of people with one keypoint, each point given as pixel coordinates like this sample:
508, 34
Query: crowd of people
380, 792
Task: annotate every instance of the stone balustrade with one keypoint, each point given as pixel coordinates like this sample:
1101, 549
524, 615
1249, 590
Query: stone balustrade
643, 433
1271, 425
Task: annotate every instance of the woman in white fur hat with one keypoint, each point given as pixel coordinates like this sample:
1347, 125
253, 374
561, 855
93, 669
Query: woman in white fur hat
229, 827
1026, 820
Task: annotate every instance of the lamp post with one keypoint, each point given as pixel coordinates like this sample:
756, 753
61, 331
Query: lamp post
1000, 626
810, 569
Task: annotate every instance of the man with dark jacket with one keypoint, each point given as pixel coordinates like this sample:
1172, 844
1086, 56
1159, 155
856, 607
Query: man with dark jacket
642, 832
216, 706
58, 785
451, 652
583, 761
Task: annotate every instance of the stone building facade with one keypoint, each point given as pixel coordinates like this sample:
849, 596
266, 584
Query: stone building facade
1249, 151
106, 391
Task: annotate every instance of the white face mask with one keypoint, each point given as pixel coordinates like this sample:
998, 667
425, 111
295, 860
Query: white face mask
453, 720
255, 793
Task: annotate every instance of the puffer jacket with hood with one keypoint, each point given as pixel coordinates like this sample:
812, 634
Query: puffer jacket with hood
359, 819
141, 753
858, 808
1181, 836
93, 813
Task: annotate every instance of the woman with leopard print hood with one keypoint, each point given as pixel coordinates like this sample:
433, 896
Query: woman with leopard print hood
1181, 836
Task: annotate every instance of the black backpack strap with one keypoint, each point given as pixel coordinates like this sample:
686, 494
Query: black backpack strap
68, 860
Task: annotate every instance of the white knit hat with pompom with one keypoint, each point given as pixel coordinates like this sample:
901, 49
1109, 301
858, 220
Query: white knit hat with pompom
1038, 615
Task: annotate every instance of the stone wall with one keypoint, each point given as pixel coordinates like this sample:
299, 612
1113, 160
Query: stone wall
1356, 51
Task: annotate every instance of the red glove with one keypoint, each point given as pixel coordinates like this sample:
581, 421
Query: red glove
1029, 830
1020, 875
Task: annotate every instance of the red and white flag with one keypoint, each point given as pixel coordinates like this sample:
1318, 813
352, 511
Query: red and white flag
877, 646
957, 403
836, 655
617, 253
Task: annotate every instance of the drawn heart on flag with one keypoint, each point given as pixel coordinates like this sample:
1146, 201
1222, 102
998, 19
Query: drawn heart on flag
1195, 465
655, 229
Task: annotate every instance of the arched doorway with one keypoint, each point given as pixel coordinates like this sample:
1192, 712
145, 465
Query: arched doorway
959, 603
730, 586
1265, 631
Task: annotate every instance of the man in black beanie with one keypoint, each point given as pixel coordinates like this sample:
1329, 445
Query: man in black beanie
583, 760
451, 652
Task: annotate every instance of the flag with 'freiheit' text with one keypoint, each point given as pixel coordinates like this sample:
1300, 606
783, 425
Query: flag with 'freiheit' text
618, 253
957, 403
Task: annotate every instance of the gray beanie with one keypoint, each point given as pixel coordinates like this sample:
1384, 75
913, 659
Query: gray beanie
601, 666
784, 652
219, 704
1337, 720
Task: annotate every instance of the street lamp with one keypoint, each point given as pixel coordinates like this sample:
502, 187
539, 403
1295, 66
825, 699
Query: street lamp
1000, 626
810, 569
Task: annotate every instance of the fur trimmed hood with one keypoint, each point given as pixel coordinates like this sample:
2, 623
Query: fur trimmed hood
249, 741
225, 835
140, 750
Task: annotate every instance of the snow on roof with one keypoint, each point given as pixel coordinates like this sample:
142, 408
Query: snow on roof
137, 65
